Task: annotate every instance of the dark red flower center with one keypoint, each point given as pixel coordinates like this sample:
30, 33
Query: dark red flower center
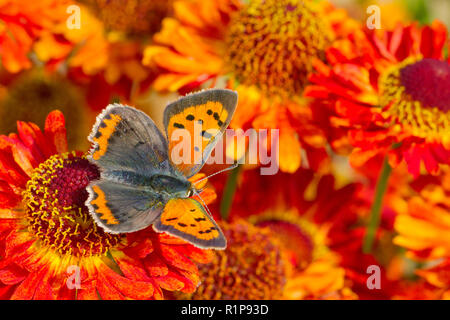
298, 243
55, 199
428, 81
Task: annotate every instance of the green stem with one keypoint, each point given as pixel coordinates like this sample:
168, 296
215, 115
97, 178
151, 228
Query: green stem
228, 193
377, 205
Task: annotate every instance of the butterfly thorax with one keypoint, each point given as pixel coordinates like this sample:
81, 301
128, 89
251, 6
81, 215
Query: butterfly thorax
173, 187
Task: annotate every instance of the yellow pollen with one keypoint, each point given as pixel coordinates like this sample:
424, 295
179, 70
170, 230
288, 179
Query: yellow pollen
251, 267
423, 121
56, 213
271, 44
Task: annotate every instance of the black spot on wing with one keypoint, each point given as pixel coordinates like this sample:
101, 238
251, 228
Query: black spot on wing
190, 117
178, 125
207, 230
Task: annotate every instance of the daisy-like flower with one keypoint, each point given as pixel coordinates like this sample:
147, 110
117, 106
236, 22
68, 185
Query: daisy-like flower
314, 269
252, 266
262, 49
50, 247
423, 230
320, 224
21, 24
388, 91
99, 44
311, 219
106, 62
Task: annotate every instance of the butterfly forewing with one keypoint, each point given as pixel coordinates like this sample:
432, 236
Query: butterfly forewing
197, 120
125, 138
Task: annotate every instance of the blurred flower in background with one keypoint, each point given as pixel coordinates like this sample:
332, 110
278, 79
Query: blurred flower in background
363, 116
390, 90
261, 49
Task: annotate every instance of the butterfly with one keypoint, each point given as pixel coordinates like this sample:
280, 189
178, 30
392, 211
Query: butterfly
140, 184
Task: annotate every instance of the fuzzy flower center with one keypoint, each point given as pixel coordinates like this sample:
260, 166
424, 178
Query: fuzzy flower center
416, 93
56, 212
33, 96
297, 242
271, 44
301, 239
251, 267
428, 81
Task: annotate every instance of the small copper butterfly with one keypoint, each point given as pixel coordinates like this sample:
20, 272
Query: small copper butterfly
140, 184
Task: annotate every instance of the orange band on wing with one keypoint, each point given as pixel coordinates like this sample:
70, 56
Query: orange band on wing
106, 132
210, 118
189, 218
102, 208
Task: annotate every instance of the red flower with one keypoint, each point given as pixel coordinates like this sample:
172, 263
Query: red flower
21, 25
321, 225
47, 234
389, 93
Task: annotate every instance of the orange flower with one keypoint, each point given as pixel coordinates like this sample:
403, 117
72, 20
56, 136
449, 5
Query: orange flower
262, 49
423, 230
46, 232
419, 290
315, 272
301, 226
320, 224
251, 267
134, 17
94, 54
389, 91
22, 23
91, 49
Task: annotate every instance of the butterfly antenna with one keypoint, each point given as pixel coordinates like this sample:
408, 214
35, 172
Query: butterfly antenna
204, 203
223, 170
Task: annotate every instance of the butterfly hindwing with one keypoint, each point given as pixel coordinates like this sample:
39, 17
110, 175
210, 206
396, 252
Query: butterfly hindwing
187, 219
127, 140
120, 208
204, 116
